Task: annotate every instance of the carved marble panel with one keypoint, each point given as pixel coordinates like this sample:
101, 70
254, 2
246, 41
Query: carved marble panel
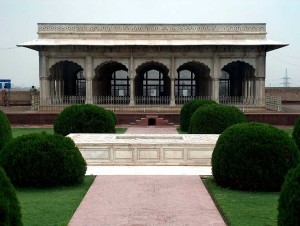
163, 28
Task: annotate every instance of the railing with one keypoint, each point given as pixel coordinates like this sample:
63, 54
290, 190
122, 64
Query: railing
273, 103
154, 104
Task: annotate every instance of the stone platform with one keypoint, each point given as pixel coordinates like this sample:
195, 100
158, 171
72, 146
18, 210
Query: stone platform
146, 149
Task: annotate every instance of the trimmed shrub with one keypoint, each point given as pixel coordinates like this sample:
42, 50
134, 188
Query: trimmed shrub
113, 115
188, 110
253, 156
5, 130
296, 132
289, 199
84, 118
215, 118
43, 160
10, 212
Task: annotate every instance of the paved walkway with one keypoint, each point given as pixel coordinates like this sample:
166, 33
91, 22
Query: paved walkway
147, 200
117, 199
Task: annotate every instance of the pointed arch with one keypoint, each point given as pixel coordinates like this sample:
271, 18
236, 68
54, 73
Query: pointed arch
67, 79
152, 80
111, 79
192, 79
237, 79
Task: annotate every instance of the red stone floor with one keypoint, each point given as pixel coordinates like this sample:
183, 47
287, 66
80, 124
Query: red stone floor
147, 200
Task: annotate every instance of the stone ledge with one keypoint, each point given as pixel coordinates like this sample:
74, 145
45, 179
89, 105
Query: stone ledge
146, 149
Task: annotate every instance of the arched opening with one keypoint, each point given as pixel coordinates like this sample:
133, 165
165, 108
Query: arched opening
112, 80
224, 86
67, 79
192, 81
152, 84
237, 80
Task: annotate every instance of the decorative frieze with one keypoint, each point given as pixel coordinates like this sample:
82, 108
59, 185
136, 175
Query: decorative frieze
150, 28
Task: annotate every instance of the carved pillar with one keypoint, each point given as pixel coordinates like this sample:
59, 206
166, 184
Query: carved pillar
89, 79
261, 74
249, 88
58, 84
261, 82
52, 87
172, 77
132, 85
44, 81
243, 87
215, 91
215, 79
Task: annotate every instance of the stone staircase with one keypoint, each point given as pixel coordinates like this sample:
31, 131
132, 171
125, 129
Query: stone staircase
152, 120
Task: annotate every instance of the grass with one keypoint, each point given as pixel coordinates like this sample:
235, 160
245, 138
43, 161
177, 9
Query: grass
53, 206
22, 131
121, 130
241, 208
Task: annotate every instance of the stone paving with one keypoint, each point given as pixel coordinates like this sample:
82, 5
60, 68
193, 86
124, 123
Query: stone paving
134, 200
147, 200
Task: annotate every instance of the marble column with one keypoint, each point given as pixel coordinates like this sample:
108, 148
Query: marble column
44, 80
89, 79
52, 87
59, 88
215, 94
261, 81
132, 85
215, 79
172, 78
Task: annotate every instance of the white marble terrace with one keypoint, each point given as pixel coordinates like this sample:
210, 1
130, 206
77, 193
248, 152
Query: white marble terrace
146, 149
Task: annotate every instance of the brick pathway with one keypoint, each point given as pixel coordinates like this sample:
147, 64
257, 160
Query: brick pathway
133, 200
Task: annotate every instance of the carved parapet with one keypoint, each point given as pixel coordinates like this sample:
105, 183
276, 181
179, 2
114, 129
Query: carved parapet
163, 28
151, 31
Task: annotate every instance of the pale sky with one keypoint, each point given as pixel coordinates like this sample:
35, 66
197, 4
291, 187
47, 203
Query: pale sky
19, 18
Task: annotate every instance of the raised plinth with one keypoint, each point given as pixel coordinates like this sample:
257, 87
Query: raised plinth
146, 149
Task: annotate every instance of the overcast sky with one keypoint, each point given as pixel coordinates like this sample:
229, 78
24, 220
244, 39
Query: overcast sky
19, 18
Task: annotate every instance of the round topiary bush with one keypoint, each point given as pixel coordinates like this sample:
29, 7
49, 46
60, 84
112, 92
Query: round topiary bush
84, 118
10, 213
253, 156
289, 199
42, 160
296, 132
5, 130
188, 110
113, 115
215, 118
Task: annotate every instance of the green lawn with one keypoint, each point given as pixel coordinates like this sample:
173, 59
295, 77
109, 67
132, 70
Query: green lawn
244, 208
53, 206
21, 131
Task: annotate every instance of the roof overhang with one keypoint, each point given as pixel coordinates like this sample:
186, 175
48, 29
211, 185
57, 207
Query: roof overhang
37, 43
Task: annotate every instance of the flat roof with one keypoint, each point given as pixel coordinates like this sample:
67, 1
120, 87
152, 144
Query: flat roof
152, 35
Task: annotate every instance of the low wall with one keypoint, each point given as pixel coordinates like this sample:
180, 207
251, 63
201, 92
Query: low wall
287, 94
31, 118
146, 149
19, 98
287, 119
